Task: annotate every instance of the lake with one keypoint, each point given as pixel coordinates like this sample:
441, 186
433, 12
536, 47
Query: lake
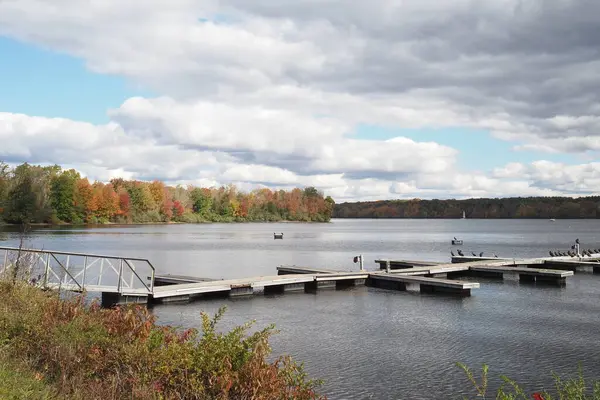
370, 343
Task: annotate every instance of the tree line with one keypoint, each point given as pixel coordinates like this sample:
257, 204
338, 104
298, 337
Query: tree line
511, 207
49, 194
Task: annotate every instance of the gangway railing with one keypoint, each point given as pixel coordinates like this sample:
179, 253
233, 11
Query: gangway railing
79, 271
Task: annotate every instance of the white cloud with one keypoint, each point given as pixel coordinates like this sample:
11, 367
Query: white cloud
261, 92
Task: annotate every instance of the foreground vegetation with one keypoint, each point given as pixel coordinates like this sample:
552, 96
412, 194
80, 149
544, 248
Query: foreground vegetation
36, 194
564, 389
61, 348
512, 207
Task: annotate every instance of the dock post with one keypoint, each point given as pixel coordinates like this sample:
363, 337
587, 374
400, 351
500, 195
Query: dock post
361, 263
387, 266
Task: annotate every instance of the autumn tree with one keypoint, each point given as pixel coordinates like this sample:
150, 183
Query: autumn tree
124, 204
84, 200
141, 198
108, 202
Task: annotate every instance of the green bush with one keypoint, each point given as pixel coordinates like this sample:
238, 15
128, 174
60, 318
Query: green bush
569, 389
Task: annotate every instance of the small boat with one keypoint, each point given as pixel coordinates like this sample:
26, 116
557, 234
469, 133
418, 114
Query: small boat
277, 235
552, 220
457, 242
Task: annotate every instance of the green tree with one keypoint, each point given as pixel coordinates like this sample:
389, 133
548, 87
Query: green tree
311, 192
201, 201
21, 200
4, 184
62, 191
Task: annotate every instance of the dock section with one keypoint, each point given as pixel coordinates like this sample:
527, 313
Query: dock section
399, 281
258, 285
168, 279
574, 265
491, 268
402, 264
426, 284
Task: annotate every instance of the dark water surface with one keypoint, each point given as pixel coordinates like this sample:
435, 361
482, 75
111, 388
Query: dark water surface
369, 343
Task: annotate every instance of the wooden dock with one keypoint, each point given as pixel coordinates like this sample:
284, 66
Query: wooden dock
401, 264
384, 280
492, 268
574, 265
275, 284
168, 279
426, 284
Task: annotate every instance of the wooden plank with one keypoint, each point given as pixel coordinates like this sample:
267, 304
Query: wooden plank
463, 259
575, 262
340, 277
429, 270
295, 269
406, 263
524, 270
449, 283
179, 291
227, 285
169, 279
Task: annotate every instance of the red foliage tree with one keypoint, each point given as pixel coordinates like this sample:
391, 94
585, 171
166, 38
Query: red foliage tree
178, 208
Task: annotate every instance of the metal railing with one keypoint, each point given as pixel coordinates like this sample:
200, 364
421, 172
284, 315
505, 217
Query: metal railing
79, 271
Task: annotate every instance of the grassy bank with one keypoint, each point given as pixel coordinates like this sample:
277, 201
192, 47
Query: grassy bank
17, 382
65, 349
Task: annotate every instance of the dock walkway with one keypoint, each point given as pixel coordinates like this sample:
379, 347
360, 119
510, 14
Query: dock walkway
249, 286
133, 280
491, 268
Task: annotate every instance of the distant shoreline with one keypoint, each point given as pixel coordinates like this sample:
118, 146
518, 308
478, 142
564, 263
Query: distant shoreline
107, 224
499, 208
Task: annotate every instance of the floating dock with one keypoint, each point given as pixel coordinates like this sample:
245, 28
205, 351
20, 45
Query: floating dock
399, 282
276, 284
401, 264
491, 268
426, 285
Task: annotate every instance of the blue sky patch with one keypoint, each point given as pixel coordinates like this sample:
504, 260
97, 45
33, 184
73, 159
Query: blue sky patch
38, 82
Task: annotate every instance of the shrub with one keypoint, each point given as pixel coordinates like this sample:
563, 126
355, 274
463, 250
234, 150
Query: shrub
569, 389
90, 352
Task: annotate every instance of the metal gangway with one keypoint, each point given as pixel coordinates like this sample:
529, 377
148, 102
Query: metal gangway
79, 272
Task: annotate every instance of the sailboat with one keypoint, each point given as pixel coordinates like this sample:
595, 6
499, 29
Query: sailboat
464, 215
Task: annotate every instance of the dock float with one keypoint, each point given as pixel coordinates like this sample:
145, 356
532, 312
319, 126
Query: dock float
401, 264
391, 281
168, 279
426, 284
537, 275
573, 265
249, 286
491, 269
294, 269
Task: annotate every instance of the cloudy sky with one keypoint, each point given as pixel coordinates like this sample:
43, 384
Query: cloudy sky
364, 100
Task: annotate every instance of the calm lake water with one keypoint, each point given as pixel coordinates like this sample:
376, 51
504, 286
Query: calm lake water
369, 343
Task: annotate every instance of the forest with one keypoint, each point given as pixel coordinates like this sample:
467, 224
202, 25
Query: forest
510, 207
50, 194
